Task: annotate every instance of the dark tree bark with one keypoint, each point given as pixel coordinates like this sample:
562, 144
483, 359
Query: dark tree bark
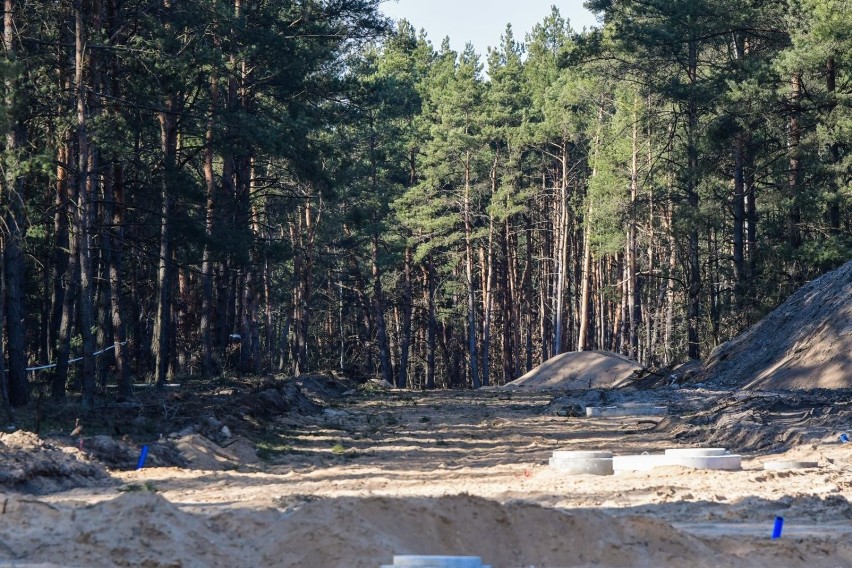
402, 380
165, 272
694, 258
794, 174
14, 222
431, 324
507, 310
115, 201
834, 203
4, 384
209, 365
634, 297
59, 268
379, 314
471, 294
741, 275
84, 213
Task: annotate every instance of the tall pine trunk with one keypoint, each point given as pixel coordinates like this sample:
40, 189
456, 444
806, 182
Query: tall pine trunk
561, 253
165, 272
634, 298
585, 288
739, 209
116, 280
208, 360
471, 293
834, 197
694, 259
431, 323
379, 314
62, 245
14, 222
4, 384
83, 215
794, 174
402, 380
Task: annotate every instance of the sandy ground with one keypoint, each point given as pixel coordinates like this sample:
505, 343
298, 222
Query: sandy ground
457, 473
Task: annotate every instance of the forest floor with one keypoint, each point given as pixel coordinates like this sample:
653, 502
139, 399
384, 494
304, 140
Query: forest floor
347, 476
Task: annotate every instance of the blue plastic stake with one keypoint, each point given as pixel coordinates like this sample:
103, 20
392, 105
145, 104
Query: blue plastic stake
779, 525
141, 463
844, 438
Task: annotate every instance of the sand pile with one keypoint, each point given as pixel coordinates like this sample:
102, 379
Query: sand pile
201, 453
273, 398
28, 463
326, 389
804, 344
580, 370
144, 529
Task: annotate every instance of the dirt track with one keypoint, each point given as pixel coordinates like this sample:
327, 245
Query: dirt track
352, 481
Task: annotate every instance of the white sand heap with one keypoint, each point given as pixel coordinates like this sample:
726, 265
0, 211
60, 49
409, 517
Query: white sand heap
580, 370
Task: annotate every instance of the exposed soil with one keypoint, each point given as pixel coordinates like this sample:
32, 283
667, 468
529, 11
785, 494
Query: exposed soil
28, 463
804, 344
365, 476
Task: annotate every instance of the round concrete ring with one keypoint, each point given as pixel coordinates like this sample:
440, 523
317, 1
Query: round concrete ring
695, 452
578, 466
580, 454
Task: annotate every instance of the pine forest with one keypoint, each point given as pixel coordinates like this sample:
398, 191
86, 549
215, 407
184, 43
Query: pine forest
198, 187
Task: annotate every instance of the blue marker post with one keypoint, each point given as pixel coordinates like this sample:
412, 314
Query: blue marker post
844, 438
779, 526
141, 463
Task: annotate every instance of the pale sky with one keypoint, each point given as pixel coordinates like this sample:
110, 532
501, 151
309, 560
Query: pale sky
482, 22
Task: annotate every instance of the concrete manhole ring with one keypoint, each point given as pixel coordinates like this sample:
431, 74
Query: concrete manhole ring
695, 452
578, 466
580, 454
728, 462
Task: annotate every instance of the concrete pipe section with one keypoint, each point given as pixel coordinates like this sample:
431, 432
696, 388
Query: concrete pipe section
696, 458
603, 462
580, 454
696, 452
790, 464
704, 458
582, 462
436, 562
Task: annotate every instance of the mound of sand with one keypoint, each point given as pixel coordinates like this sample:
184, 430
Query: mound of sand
201, 453
580, 370
142, 528
273, 398
28, 463
804, 344
325, 389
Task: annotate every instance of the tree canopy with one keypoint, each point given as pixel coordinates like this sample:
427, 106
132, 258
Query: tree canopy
198, 188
